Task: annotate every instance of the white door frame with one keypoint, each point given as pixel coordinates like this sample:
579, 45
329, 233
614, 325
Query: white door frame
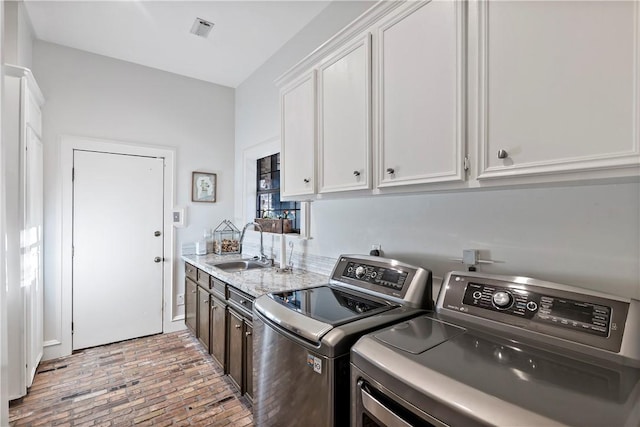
68, 144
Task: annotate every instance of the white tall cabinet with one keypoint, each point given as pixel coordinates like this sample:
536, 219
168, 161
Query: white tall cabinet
23, 160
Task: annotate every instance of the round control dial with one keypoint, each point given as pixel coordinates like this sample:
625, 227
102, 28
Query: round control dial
502, 299
360, 272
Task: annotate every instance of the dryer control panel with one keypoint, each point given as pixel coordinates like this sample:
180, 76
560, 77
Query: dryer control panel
559, 311
564, 312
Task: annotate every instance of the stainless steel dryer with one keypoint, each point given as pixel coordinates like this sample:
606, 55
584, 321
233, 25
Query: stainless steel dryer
302, 338
503, 351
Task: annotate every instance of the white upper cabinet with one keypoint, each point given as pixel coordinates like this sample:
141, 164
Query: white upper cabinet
558, 87
344, 144
298, 116
420, 94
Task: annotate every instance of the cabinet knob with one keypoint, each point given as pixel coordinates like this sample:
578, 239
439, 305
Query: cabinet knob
205, 301
391, 171
157, 259
193, 292
243, 302
157, 233
306, 180
214, 307
502, 154
238, 326
247, 333
356, 173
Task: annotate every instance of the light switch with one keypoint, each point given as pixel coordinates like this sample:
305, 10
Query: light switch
178, 217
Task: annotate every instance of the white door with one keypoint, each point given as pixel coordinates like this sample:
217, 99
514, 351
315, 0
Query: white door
32, 253
117, 260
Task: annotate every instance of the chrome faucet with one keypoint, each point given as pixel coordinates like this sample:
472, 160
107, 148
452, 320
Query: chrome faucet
263, 257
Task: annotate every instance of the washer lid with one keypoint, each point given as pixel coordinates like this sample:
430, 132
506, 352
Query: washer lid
312, 312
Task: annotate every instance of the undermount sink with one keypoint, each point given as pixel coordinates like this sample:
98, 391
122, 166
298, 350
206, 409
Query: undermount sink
239, 265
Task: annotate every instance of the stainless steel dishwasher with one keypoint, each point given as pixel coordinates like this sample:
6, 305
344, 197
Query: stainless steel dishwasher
302, 338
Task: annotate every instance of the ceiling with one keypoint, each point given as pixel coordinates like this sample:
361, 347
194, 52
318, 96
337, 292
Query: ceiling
157, 33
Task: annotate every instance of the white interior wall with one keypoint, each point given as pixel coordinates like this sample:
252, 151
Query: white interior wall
587, 235
95, 96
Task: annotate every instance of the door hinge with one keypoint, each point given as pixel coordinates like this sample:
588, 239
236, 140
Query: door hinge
73, 174
465, 163
73, 251
71, 328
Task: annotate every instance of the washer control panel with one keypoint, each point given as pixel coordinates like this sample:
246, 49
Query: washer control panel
567, 313
388, 277
557, 311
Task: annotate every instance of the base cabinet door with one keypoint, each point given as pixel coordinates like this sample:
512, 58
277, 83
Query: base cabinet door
236, 339
191, 305
248, 359
203, 317
217, 346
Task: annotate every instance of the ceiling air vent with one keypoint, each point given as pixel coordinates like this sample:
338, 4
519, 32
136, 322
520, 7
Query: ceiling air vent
201, 27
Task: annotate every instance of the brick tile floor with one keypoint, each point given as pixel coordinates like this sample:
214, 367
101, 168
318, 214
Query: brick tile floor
160, 380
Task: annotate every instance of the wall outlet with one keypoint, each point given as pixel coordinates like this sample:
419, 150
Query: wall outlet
180, 299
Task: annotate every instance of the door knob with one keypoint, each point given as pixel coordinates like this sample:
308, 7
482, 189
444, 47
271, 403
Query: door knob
157, 233
157, 259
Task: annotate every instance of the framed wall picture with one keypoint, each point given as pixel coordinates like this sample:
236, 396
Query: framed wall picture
203, 187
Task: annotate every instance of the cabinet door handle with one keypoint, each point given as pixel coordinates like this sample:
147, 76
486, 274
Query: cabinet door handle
306, 180
356, 173
157, 233
193, 292
157, 259
205, 301
214, 307
391, 171
502, 154
243, 302
238, 326
247, 334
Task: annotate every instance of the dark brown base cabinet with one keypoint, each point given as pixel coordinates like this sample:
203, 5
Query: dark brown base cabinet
204, 330
218, 344
191, 305
240, 332
220, 317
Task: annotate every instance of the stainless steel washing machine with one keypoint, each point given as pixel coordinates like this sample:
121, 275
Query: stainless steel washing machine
503, 351
302, 338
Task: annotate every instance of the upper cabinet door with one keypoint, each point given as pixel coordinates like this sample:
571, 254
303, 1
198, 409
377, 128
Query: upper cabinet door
558, 86
420, 94
298, 116
344, 82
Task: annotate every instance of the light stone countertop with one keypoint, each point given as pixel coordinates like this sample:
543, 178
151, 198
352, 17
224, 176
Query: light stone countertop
259, 281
